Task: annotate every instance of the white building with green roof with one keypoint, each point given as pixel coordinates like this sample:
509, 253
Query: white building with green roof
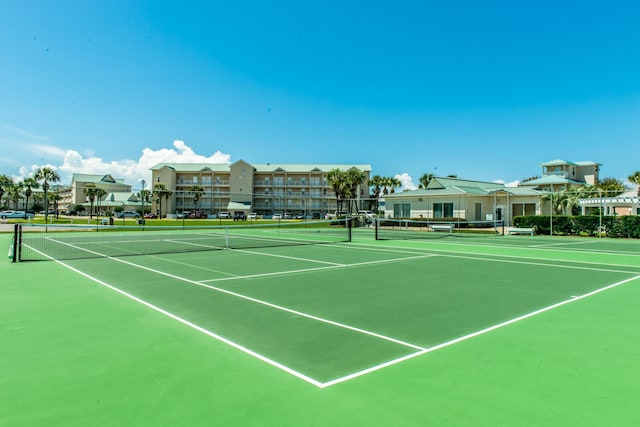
115, 188
453, 198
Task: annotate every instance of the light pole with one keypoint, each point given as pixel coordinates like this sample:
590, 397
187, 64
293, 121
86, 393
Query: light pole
142, 195
26, 205
45, 188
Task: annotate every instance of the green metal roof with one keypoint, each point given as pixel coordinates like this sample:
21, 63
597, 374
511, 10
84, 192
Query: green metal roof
194, 167
444, 182
560, 162
301, 168
551, 180
454, 187
267, 167
97, 179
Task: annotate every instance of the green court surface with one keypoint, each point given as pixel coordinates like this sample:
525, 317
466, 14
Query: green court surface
504, 330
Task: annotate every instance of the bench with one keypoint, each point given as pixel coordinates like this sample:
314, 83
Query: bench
528, 231
442, 227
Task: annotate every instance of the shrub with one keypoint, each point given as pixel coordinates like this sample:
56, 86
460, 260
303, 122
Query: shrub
615, 226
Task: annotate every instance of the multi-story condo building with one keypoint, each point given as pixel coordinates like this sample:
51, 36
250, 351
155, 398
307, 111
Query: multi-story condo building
265, 189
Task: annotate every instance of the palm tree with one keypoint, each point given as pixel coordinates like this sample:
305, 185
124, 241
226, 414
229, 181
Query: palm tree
394, 183
5, 184
30, 183
100, 193
354, 178
47, 175
144, 196
376, 182
91, 191
557, 201
634, 178
611, 187
425, 179
197, 191
337, 179
55, 198
15, 193
160, 191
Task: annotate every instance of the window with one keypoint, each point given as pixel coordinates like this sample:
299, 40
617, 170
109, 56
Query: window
522, 209
402, 210
443, 210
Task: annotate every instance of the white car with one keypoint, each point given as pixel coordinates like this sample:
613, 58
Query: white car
252, 216
224, 215
276, 217
367, 214
15, 214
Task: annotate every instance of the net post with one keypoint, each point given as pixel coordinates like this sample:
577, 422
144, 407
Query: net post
14, 244
376, 223
226, 237
349, 228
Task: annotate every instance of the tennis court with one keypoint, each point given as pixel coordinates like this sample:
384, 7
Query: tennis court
344, 309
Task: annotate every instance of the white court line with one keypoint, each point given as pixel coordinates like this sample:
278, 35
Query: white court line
421, 350
505, 246
304, 270
210, 333
477, 333
544, 245
258, 301
191, 325
515, 259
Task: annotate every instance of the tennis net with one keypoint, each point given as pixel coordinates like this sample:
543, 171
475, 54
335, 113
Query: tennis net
401, 229
40, 242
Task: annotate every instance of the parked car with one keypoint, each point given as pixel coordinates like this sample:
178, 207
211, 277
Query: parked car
299, 216
15, 214
128, 214
252, 216
336, 214
277, 217
150, 215
224, 215
239, 216
367, 214
287, 216
316, 215
197, 215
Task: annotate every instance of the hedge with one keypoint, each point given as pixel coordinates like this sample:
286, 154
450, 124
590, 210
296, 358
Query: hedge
613, 226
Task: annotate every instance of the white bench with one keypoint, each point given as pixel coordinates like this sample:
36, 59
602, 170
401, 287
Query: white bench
521, 230
442, 227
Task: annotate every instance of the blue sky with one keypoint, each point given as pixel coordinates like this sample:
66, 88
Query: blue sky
485, 90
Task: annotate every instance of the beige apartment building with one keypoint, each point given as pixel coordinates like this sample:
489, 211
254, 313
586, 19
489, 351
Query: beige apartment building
265, 189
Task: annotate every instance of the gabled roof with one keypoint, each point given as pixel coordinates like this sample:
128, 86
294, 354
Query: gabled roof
300, 168
439, 186
560, 162
193, 167
557, 162
445, 182
266, 167
550, 180
96, 179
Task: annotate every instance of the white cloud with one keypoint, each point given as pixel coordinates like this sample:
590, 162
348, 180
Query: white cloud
406, 182
508, 184
48, 149
132, 171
